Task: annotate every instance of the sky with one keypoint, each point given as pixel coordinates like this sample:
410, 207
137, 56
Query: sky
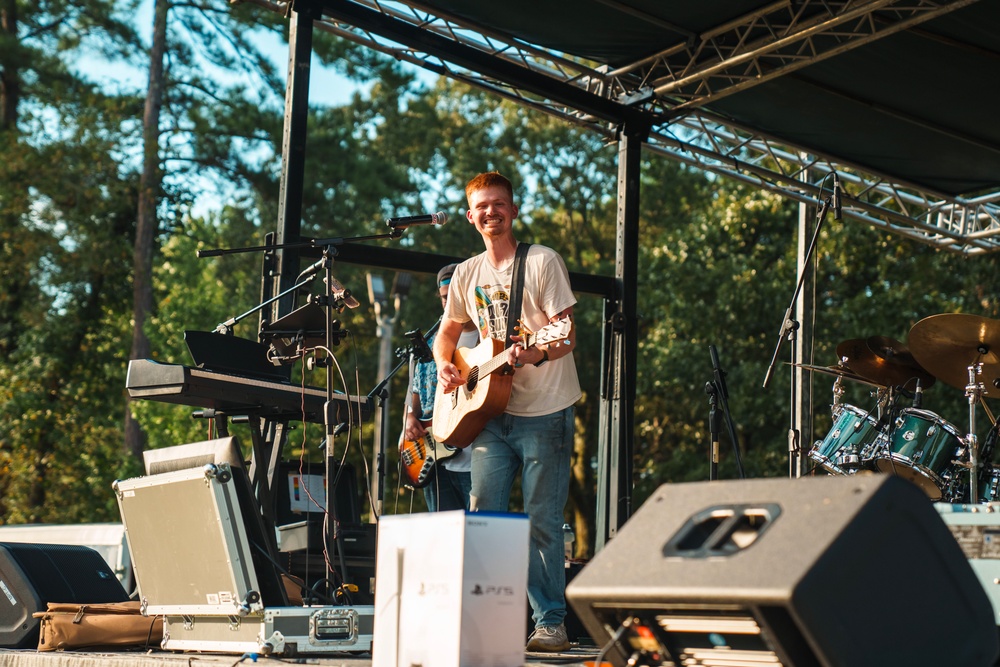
326, 88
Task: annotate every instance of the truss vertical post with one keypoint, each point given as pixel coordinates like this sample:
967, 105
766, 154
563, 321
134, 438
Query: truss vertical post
293, 150
805, 309
614, 485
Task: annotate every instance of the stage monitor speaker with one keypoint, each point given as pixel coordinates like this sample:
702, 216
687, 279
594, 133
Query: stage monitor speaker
844, 570
32, 575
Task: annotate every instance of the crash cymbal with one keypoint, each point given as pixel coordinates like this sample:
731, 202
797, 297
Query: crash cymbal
838, 371
883, 360
947, 344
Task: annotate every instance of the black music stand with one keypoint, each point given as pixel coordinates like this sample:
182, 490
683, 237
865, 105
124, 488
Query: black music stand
303, 327
225, 353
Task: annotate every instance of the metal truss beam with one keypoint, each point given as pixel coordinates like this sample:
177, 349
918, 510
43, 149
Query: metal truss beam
769, 43
667, 90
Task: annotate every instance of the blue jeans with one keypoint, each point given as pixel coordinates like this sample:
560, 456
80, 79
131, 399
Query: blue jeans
543, 447
448, 490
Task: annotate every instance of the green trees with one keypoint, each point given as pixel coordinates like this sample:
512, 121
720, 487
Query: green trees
66, 205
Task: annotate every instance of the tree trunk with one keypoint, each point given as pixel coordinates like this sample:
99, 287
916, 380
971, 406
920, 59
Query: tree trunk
10, 77
147, 224
12, 278
581, 489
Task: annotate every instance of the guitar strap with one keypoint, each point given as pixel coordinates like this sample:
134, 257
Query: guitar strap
516, 291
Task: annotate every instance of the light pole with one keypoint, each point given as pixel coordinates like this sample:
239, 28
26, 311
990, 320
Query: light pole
385, 325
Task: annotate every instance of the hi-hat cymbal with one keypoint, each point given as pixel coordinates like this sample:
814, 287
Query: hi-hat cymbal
948, 344
838, 371
883, 360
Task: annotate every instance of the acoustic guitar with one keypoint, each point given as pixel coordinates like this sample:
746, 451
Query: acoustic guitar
460, 415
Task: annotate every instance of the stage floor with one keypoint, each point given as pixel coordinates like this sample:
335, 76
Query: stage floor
575, 657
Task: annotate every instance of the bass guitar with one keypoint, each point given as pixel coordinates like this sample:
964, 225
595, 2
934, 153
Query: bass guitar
418, 458
460, 415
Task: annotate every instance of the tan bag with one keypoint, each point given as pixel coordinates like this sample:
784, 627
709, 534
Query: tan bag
69, 626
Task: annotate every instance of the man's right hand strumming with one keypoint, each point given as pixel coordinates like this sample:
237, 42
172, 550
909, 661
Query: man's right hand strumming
450, 377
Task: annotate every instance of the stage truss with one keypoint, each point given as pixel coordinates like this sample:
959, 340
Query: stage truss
667, 92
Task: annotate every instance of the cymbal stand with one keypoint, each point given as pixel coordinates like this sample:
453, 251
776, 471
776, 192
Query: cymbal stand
838, 392
974, 391
989, 413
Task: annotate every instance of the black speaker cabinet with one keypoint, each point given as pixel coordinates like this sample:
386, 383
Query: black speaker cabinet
843, 570
32, 575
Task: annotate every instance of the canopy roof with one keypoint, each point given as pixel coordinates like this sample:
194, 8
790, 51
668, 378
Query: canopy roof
898, 98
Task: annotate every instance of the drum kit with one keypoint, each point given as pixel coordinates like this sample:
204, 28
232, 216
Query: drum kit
960, 350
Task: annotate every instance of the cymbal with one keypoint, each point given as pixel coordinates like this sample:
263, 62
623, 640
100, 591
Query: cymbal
838, 371
948, 344
883, 360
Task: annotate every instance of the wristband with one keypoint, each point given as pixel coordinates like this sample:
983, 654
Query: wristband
545, 357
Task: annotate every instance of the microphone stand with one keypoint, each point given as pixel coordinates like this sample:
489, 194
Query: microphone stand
406, 355
788, 329
332, 335
713, 429
719, 394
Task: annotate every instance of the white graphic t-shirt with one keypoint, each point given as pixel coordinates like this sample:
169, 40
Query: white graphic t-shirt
481, 293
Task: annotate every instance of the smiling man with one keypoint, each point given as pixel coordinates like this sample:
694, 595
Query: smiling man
535, 432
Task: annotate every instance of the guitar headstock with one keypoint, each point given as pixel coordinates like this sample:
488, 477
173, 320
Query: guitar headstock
551, 333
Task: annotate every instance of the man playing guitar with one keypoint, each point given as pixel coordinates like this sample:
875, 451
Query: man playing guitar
535, 432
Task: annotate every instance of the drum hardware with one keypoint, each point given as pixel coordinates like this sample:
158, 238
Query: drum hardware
838, 390
837, 371
959, 349
974, 391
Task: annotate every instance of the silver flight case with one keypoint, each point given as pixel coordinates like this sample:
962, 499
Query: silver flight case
192, 559
192, 563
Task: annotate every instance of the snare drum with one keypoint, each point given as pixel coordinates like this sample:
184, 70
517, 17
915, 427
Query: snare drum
839, 452
920, 447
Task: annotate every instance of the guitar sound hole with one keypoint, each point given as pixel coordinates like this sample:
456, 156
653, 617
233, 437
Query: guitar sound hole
473, 380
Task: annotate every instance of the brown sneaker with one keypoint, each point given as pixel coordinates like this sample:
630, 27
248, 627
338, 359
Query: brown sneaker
548, 639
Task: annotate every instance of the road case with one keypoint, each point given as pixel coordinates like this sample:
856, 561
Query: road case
293, 631
189, 547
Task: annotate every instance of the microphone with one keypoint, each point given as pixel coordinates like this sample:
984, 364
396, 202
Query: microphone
918, 395
837, 195
341, 292
408, 221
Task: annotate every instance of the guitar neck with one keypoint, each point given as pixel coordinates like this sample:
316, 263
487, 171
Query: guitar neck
498, 361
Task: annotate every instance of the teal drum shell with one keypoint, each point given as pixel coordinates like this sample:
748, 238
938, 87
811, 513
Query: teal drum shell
957, 489
921, 447
839, 452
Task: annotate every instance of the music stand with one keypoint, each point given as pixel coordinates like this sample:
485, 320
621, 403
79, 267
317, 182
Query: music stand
303, 327
224, 353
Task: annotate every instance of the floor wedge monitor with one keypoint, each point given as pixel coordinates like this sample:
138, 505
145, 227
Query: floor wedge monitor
32, 575
844, 570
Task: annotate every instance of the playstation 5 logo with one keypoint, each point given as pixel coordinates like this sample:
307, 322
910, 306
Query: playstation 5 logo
504, 591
